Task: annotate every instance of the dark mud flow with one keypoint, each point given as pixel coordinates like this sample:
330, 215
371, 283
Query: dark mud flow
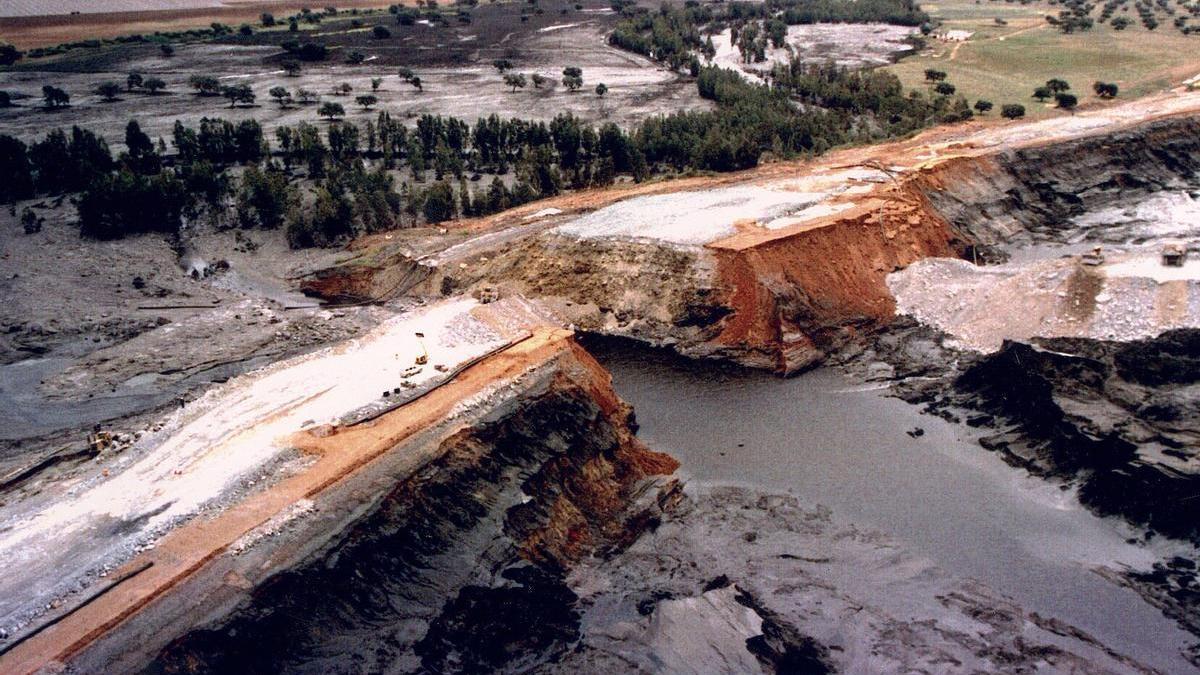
878, 462
825, 526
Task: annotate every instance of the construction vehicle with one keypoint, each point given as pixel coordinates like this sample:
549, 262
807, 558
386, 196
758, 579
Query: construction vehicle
423, 357
1174, 255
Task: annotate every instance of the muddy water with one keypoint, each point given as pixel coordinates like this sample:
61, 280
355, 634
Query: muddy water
848, 446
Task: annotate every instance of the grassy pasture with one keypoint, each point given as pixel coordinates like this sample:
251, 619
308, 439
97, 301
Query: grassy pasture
1003, 63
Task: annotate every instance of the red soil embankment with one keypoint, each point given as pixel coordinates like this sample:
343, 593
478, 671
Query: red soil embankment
798, 291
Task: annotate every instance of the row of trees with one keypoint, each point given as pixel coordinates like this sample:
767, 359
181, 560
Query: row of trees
1076, 15
347, 168
1059, 90
110, 90
937, 80
244, 95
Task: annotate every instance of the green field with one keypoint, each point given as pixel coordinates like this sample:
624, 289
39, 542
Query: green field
1003, 64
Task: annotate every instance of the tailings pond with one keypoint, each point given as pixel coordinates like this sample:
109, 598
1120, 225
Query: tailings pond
880, 463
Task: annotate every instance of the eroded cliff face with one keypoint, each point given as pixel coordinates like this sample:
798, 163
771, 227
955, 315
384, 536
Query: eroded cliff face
1035, 190
1124, 417
795, 297
663, 295
373, 273
460, 566
777, 300
782, 294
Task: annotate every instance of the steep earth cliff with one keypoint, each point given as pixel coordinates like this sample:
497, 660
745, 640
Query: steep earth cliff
779, 270
1032, 192
457, 563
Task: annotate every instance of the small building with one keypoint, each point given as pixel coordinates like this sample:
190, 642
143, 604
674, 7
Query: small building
1174, 255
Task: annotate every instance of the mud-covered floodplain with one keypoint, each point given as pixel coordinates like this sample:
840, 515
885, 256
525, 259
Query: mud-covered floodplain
929, 405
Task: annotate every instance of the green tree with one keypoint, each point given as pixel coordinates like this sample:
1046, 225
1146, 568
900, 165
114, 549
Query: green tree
514, 80
1066, 101
982, 106
330, 110
502, 65
329, 219
381, 32
55, 97
133, 81
9, 54
108, 90
1012, 111
291, 67
125, 203
1057, 86
601, 89
944, 88
30, 223
933, 75
141, 157
439, 203
366, 100
16, 171
153, 85
281, 95
1042, 93
205, 85
265, 198
376, 82
572, 78
238, 93
538, 80
267, 19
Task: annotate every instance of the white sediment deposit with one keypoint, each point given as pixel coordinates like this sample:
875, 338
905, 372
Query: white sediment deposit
232, 437
854, 45
1129, 297
689, 218
700, 217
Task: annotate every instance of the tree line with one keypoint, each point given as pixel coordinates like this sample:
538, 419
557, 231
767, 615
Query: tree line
675, 35
327, 184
